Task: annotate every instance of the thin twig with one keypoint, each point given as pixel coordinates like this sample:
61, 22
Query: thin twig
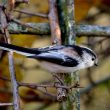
35, 86
21, 23
5, 78
58, 78
32, 86
96, 42
32, 14
6, 104
96, 83
22, 1
44, 106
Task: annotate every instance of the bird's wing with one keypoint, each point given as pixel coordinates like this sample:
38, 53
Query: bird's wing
50, 48
56, 58
69, 50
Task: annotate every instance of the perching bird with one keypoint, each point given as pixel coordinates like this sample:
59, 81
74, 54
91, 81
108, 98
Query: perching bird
57, 59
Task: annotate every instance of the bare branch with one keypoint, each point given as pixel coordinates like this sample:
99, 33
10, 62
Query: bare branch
6, 104
54, 23
4, 23
32, 14
56, 39
91, 86
29, 28
92, 30
44, 29
22, 1
35, 86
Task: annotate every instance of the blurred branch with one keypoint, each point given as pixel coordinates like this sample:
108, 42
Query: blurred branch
6, 104
35, 86
92, 30
92, 86
22, 1
6, 35
27, 13
54, 23
82, 91
44, 29
44, 106
42, 88
32, 14
43, 97
4, 90
21, 23
98, 42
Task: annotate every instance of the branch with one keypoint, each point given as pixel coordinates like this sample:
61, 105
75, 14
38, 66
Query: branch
44, 29
56, 40
32, 14
92, 86
35, 86
6, 104
35, 28
82, 91
54, 23
68, 29
4, 23
22, 1
92, 30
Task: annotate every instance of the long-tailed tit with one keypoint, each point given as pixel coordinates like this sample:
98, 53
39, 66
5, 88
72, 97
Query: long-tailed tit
57, 59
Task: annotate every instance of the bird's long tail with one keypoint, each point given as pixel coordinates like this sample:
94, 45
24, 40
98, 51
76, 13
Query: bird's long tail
18, 49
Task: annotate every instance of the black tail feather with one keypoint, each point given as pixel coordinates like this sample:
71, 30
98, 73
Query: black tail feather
18, 49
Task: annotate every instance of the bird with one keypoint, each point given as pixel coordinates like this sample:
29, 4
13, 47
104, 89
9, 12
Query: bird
57, 58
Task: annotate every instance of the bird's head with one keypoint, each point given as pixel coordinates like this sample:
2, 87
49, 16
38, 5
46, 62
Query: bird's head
89, 57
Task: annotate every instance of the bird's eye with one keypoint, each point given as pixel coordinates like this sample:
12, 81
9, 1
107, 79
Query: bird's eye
93, 59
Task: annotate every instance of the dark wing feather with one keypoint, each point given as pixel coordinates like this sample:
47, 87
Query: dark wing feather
56, 58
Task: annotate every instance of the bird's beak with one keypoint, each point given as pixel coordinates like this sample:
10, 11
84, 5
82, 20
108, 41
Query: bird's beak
96, 62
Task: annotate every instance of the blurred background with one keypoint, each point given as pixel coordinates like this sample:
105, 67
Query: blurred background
95, 93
